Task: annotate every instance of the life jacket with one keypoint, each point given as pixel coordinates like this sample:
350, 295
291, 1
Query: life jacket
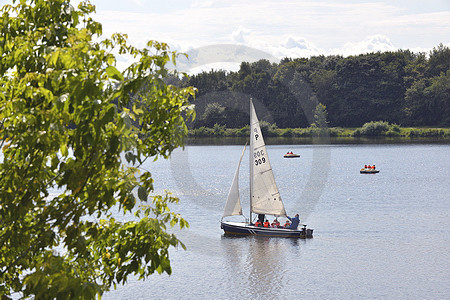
258, 224
266, 224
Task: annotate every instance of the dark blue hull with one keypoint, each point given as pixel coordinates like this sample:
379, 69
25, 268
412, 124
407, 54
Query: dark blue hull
369, 171
234, 228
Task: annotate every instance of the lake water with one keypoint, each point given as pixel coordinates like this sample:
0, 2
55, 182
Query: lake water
381, 236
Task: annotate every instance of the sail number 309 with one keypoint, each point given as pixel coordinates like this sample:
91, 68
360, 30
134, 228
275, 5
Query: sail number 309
259, 157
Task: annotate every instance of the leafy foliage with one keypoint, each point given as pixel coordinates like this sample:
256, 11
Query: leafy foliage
428, 101
393, 130
377, 128
68, 121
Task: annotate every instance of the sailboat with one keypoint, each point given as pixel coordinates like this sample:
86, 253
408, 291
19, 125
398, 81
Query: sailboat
264, 195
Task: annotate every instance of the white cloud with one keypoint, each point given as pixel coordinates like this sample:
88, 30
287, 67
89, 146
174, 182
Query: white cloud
372, 43
286, 28
221, 57
225, 66
297, 47
202, 4
239, 35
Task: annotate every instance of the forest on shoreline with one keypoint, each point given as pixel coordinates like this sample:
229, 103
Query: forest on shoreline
395, 94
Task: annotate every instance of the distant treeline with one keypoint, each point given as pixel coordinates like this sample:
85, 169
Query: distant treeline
399, 88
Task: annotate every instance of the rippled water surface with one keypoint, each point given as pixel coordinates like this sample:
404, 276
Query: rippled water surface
382, 236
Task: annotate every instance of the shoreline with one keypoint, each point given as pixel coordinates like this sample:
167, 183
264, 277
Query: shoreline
227, 140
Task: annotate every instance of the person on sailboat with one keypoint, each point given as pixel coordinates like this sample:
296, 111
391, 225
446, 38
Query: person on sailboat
275, 223
261, 218
266, 223
287, 224
258, 224
295, 221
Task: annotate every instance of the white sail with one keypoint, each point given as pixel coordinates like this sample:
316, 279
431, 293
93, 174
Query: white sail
233, 205
265, 198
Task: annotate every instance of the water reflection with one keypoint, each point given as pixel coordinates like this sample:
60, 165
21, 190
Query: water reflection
258, 263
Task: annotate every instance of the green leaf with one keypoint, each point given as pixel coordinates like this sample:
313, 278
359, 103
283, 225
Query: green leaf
64, 150
130, 157
114, 73
109, 116
142, 194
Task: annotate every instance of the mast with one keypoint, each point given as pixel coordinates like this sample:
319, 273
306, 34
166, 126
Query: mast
250, 160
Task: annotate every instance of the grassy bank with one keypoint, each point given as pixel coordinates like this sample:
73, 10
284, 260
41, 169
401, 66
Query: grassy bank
371, 129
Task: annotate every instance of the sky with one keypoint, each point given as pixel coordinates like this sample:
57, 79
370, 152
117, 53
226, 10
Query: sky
281, 28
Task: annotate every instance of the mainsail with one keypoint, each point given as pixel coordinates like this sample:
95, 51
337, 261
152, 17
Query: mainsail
264, 195
233, 205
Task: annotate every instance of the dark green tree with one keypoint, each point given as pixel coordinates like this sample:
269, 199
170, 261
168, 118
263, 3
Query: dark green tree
214, 114
439, 97
209, 82
439, 61
320, 116
428, 101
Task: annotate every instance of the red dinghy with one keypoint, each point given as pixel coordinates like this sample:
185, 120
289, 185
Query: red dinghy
291, 155
368, 169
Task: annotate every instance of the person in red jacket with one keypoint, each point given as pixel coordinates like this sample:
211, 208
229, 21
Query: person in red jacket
258, 224
275, 223
266, 223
